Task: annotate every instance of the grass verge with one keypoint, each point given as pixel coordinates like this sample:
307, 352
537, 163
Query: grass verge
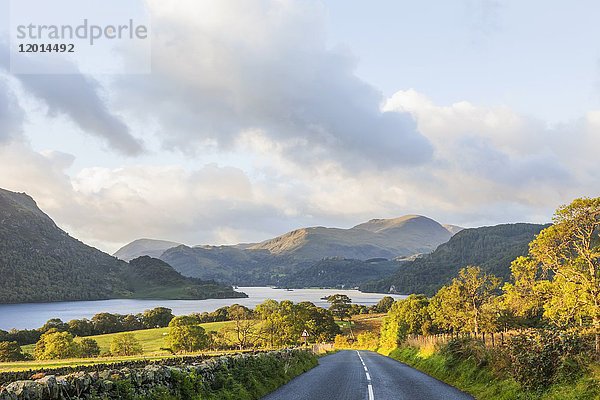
483, 384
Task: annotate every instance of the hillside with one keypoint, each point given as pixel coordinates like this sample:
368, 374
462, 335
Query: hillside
144, 247
229, 264
39, 262
282, 260
339, 273
153, 278
378, 238
493, 248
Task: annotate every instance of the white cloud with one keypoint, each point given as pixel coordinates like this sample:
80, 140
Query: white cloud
255, 80
81, 98
221, 68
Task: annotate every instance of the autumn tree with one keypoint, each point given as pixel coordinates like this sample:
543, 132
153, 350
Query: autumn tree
570, 250
407, 316
467, 302
56, 345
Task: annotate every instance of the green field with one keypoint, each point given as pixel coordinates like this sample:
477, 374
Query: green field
152, 340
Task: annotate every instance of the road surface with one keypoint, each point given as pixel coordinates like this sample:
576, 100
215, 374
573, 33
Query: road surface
364, 375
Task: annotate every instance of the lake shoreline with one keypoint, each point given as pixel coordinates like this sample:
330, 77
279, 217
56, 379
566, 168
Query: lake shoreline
34, 315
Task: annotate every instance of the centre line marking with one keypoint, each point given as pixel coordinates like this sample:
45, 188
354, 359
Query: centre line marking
369, 385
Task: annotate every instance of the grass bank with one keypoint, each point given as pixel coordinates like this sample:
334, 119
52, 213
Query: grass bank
483, 384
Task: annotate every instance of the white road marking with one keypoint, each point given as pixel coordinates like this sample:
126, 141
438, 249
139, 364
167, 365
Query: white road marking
369, 385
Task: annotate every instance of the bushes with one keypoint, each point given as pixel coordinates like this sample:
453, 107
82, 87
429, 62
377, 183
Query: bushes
539, 358
532, 365
465, 349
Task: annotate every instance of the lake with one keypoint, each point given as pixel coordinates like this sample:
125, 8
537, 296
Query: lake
34, 315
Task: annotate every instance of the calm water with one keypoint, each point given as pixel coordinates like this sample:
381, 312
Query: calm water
34, 315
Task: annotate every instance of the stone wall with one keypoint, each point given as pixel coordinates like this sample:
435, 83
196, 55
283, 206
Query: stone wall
125, 382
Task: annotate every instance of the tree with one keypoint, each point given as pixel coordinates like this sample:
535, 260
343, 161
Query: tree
10, 351
245, 325
462, 303
269, 312
570, 249
54, 323
88, 348
406, 317
446, 308
317, 321
56, 345
339, 305
81, 327
131, 322
186, 335
384, 304
526, 295
125, 344
107, 323
158, 317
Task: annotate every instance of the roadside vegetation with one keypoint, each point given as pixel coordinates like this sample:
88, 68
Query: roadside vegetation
535, 337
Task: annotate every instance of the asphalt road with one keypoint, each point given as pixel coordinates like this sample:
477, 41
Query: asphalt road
342, 376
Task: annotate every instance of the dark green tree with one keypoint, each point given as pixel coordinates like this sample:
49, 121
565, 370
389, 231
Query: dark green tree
88, 348
158, 317
185, 335
10, 351
340, 306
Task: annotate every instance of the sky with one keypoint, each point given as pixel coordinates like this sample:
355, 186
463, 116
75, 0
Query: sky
263, 116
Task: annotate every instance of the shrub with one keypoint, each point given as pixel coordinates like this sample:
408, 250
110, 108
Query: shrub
465, 349
367, 341
341, 342
10, 351
542, 357
125, 344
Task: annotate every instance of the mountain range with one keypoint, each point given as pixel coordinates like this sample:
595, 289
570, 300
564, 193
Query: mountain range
39, 262
278, 261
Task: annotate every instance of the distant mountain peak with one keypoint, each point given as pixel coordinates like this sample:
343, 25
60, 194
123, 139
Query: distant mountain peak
144, 247
387, 238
